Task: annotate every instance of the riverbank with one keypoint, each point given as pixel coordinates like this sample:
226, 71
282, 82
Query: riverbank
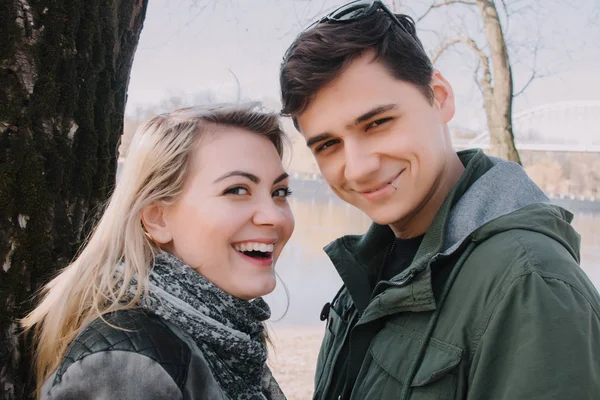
293, 358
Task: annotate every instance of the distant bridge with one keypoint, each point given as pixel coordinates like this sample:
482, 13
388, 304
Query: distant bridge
312, 186
558, 127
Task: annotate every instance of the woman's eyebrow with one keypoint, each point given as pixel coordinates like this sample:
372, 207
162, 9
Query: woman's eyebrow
280, 178
250, 177
246, 175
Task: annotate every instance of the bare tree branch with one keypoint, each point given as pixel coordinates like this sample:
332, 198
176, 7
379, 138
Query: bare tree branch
443, 48
505, 8
484, 62
507, 14
531, 78
476, 78
443, 4
534, 72
196, 9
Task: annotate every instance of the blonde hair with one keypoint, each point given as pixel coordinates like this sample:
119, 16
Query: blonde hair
154, 171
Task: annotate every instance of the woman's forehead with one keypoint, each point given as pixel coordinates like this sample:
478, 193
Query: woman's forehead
233, 148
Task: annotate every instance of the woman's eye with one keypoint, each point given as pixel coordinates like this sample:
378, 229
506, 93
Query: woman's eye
238, 191
282, 192
378, 122
325, 145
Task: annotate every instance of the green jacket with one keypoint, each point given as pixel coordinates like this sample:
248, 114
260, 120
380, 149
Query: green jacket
493, 307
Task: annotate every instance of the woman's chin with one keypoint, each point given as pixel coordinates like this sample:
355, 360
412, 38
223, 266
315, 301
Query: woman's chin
256, 287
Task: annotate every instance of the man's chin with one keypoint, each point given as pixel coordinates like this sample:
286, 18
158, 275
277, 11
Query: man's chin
381, 214
384, 218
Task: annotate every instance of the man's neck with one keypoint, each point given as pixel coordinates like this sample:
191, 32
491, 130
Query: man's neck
417, 222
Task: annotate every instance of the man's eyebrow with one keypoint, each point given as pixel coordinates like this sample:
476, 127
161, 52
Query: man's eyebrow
375, 111
364, 117
316, 139
246, 175
280, 178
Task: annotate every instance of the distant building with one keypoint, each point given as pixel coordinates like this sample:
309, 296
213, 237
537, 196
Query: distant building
559, 145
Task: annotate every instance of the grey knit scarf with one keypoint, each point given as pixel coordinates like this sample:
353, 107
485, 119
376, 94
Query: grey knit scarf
226, 329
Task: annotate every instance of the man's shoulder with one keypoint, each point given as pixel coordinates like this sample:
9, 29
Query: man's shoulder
527, 250
132, 331
510, 257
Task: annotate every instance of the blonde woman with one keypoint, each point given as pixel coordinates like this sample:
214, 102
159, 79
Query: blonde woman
164, 300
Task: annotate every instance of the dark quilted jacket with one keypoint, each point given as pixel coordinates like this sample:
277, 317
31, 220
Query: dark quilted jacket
139, 357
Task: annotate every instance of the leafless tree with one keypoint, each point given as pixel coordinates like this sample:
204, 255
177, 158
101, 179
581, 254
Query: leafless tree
493, 73
504, 37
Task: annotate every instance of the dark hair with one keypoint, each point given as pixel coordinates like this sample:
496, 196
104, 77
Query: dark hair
318, 55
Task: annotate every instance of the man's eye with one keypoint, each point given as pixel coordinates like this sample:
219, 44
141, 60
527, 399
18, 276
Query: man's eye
325, 145
282, 192
378, 122
237, 191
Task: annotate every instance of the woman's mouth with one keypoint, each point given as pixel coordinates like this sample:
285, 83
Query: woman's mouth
261, 253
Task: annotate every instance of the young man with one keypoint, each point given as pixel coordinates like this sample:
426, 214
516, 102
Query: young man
467, 285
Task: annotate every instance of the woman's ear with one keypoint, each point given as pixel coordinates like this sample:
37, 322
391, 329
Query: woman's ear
154, 221
443, 96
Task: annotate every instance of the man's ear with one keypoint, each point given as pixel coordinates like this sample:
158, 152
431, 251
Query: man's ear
154, 221
443, 96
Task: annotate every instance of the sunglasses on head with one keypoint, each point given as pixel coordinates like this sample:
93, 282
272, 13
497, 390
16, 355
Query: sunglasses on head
357, 10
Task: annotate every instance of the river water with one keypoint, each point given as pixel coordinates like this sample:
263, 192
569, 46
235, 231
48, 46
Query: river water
312, 280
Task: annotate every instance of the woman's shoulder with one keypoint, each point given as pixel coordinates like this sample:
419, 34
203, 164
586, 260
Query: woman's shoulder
133, 331
112, 345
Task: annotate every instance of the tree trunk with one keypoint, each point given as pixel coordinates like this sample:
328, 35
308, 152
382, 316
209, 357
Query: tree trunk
501, 137
64, 71
498, 108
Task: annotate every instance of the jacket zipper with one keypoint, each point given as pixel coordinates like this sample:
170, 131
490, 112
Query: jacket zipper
405, 281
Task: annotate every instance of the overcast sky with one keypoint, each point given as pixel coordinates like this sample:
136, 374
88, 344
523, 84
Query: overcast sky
191, 47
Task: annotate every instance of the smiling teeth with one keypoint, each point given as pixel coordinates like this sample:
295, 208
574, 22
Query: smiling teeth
253, 246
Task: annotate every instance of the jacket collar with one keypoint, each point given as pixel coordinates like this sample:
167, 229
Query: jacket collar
355, 256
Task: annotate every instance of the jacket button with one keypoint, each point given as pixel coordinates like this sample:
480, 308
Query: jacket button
325, 311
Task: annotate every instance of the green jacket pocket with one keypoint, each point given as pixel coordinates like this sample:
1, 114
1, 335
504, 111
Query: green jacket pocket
393, 351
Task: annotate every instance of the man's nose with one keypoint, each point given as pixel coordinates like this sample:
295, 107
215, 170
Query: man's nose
361, 162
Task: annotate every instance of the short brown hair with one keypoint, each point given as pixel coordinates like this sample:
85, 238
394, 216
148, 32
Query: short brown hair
318, 55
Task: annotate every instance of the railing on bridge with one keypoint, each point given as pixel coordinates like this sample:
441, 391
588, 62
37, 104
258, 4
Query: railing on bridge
558, 127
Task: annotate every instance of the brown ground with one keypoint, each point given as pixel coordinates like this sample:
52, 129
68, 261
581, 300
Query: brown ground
294, 358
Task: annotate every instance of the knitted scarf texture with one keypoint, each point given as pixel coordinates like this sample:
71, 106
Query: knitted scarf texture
226, 329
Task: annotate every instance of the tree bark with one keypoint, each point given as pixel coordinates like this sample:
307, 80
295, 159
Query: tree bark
498, 102
64, 71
